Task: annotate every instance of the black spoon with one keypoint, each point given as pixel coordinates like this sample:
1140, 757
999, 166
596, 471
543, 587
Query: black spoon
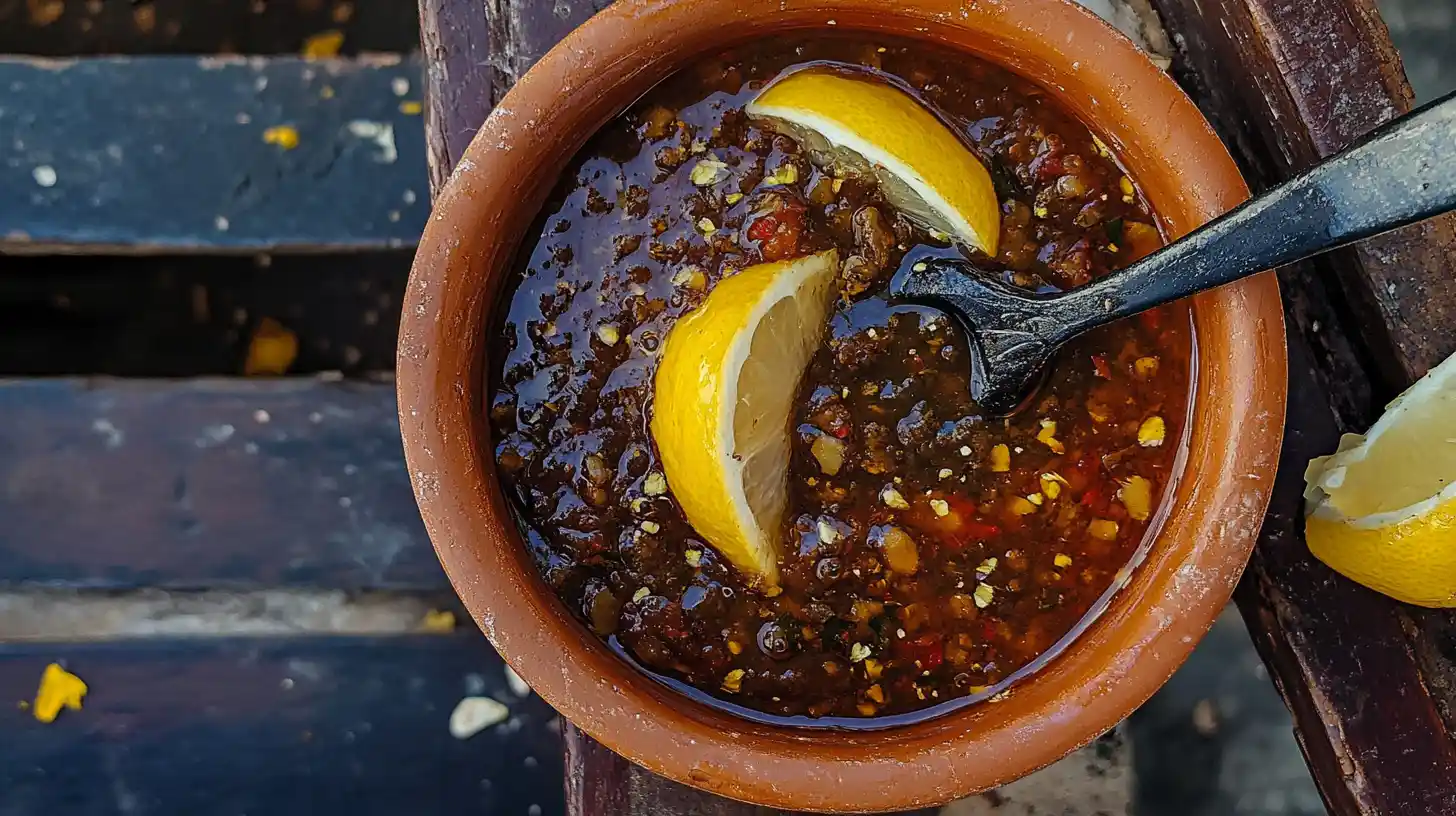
1401, 173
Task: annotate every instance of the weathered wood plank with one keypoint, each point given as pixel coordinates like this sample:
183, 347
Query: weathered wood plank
1287, 84
207, 483
172, 154
57, 28
282, 726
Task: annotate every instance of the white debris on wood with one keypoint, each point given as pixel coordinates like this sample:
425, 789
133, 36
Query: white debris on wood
1137, 20
475, 714
380, 133
517, 686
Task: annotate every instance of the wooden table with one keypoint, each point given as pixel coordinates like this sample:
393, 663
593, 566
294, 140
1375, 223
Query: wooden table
1371, 683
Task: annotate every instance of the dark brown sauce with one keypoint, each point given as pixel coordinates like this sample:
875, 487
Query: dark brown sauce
1007, 562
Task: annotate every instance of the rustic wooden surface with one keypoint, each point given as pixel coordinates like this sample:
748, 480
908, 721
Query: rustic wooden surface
1286, 84
282, 726
1368, 680
125, 484
168, 154
56, 28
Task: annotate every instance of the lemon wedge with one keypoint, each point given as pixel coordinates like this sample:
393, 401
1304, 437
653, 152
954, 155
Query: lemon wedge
1382, 509
723, 397
864, 126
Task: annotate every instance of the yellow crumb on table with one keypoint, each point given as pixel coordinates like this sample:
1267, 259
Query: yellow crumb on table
58, 689
284, 136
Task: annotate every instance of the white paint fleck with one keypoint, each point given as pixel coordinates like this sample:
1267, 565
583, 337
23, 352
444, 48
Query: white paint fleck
475, 714
400, 86
261, 417
113, 435
44, 175
221, 223
381, 134
518, 686
214, 435
410, 197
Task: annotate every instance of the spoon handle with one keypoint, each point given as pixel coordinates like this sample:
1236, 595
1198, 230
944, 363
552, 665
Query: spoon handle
1403, 172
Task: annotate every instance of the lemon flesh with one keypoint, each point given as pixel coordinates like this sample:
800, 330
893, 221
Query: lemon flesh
862, 126
723, 398
1382, 509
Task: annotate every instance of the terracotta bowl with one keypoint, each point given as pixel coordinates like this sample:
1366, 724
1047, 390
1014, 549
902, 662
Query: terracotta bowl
1171, 599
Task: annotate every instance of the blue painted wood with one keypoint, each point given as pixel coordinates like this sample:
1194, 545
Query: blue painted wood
120, 484
168, 154
274, 727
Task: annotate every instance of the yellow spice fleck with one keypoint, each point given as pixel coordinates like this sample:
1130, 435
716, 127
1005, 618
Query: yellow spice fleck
733, 681
875, 693
642, 592
1136, 495
438, 621
1062, 560
733, 198
58, 689
1021, 507
892, 498
1145, 367
694, 558
655, 484
1048, 436
1035, 498
271, 350
285, 136
940, 506
1000, 459
1125, 184
1151, 432
323, 45
786, 174
873, 668
735, 647
1103, 529
984, 594
1051, 484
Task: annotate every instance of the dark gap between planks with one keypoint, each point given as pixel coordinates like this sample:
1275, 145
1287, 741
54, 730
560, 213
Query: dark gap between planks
56, 28
190, 316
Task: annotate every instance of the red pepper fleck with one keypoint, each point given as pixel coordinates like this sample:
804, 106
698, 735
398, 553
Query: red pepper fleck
926, 650
763, 227
1099, 364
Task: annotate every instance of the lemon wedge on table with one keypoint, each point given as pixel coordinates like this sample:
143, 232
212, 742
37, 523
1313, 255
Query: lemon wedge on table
723, 397
1382, 510
870, 127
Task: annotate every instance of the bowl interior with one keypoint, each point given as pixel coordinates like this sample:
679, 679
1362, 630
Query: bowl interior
1212, 516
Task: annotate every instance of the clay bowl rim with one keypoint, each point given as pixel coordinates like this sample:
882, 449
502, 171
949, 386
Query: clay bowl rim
1231, 448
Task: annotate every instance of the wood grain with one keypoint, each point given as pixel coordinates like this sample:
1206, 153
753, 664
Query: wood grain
1287, 84
121, 484
170, 154
281, 726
